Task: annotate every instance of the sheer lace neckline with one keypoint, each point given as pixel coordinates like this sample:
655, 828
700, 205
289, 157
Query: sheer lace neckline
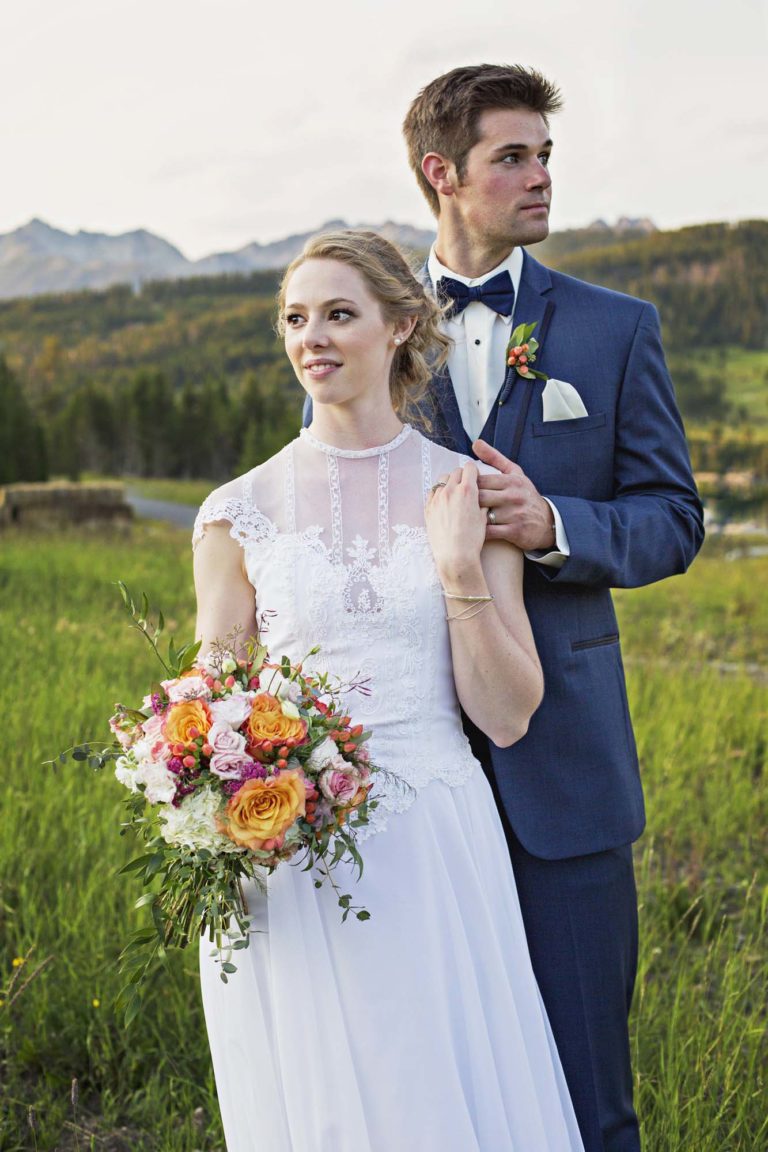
356, 453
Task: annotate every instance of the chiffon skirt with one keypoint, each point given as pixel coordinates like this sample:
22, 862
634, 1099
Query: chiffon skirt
419, 1030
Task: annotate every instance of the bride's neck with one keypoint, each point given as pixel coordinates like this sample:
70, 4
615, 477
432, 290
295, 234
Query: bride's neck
354, 430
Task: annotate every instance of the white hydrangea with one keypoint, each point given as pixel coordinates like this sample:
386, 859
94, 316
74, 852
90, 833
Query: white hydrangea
159, 783
125, 771
193, 824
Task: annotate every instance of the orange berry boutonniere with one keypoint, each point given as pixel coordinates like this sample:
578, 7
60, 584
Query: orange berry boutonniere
521, 352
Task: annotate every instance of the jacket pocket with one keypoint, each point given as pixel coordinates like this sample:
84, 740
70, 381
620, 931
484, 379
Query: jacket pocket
598, 642
564, 427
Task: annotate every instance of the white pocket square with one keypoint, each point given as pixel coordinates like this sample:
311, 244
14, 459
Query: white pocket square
561, 401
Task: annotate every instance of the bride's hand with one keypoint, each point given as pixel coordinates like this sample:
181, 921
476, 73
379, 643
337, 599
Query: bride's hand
456, 524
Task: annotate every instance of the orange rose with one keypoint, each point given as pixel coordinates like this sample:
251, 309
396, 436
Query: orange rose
181, 718
260, 814
268, 723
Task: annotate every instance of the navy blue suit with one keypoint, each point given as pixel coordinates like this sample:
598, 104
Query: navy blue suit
569, 792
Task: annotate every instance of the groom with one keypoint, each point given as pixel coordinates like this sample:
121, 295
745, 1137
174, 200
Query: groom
595, 486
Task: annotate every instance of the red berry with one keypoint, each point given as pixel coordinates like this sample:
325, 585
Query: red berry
523, 359
282, 763
188, 761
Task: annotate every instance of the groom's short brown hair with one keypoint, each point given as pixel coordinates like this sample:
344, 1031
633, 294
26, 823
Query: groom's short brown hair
444, 116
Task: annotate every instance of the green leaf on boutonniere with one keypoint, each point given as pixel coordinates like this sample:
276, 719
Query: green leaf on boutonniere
522, 333
521, 352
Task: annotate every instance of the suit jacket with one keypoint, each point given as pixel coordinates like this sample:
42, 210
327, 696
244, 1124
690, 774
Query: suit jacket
622, 482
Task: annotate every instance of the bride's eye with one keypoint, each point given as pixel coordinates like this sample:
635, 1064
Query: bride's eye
293, 319
341, 314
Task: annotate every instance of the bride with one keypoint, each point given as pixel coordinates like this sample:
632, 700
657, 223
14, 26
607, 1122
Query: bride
421, 1028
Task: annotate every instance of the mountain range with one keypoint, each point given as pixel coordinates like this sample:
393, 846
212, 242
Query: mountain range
38, 259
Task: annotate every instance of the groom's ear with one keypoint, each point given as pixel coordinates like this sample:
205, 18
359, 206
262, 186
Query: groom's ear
440, 173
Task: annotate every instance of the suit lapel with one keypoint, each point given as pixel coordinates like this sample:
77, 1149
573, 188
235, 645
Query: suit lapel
514, 399
446, 417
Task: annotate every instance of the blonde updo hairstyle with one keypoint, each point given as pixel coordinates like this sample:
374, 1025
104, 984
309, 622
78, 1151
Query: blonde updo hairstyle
400, 294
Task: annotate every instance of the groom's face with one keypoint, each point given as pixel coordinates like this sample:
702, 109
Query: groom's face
505, 188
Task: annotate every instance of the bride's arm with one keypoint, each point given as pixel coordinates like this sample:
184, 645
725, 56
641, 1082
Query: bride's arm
495, 666
226, 601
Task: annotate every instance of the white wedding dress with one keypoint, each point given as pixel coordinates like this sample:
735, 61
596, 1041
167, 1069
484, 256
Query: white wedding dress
421, 1029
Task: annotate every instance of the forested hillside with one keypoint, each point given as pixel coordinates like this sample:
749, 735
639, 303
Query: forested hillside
187, 378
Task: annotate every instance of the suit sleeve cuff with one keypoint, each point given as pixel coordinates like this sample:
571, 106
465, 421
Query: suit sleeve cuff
557, 556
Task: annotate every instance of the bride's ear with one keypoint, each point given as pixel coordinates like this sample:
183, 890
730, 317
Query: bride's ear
403, 329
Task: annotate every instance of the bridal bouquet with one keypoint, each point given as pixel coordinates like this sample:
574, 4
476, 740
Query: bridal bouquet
233, 765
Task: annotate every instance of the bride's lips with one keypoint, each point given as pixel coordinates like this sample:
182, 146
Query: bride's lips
320, 367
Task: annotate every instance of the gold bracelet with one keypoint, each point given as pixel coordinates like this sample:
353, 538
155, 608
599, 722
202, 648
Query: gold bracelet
468, 599
470, 611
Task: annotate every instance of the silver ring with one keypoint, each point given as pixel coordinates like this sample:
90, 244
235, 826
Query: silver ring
440, 484
491, 516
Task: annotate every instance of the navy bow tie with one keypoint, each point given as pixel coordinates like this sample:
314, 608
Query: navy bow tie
497, 293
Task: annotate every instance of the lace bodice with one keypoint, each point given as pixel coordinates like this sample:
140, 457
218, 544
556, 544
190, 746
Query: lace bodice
337, 552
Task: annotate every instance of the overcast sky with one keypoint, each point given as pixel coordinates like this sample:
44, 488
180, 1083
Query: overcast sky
218, 122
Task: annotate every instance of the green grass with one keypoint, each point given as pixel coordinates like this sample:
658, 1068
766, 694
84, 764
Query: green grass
699, 1017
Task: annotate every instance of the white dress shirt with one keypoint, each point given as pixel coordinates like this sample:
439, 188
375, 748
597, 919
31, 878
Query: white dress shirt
477, 364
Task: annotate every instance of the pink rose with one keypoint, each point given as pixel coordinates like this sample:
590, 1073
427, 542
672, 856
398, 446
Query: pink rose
153, 733
230, 765
339, 786
222, 738
187, 688
228, 755
233, 710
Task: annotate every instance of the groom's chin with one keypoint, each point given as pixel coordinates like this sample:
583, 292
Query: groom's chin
532, 231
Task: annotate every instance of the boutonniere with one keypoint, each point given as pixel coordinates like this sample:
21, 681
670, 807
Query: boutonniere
521, 352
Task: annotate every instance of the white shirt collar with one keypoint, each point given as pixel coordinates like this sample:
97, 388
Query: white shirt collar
512, 264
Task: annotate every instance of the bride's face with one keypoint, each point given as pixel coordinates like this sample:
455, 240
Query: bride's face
336, 337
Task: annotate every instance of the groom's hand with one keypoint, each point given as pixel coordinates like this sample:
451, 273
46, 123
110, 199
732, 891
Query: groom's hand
522, 516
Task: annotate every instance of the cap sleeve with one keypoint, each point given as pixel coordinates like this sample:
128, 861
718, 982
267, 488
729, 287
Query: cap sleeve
246, 523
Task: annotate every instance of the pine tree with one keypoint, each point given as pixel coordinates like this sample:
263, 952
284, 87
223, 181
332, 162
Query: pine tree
22, 444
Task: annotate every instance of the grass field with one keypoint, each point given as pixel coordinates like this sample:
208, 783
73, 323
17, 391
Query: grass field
702, 722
